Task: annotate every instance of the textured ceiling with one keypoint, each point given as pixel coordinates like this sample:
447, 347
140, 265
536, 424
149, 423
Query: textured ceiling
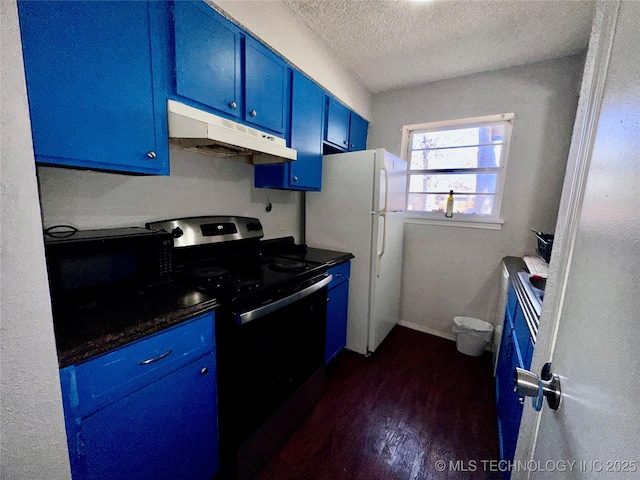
396, 43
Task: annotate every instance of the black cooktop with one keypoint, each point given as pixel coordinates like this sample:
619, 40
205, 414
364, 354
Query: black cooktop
246, 273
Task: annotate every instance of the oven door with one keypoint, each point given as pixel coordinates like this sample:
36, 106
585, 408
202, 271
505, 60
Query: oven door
267, 353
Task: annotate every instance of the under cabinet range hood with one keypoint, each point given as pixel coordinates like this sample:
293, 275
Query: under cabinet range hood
206, 133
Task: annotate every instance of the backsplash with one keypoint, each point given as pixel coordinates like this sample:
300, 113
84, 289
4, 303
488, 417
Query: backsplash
198, 185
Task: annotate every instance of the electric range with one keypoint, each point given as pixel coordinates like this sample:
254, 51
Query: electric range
270, 330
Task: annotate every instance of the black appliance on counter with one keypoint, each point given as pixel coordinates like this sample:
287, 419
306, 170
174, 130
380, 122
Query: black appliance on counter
270, 330
87, 266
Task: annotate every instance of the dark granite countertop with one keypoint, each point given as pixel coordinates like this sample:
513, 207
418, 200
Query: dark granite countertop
286, 247
515, 265
91, 330
329, 258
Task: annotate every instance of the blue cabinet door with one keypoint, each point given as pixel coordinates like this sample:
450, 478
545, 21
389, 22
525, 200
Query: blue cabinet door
91, 69
504, 376
166, 430
207, 57
307, 118
509, 405
512, 407
337, 310
338, 118
357, 133
267, 88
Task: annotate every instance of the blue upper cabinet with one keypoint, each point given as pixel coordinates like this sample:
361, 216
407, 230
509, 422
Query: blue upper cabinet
267, 88
345, 130
358, 127
219, 66
95, 74
337, 132
207, 58
306, 137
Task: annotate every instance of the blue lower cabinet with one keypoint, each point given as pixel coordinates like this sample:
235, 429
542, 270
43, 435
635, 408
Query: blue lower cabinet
508, 403
516, 350
164, 425
337, 309
164, 430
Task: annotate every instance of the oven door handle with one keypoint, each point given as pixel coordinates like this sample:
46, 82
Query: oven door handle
246, 317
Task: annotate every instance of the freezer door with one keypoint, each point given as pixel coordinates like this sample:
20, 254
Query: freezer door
385, 284
391, 181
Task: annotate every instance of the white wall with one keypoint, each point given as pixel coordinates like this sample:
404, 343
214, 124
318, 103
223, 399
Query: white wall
198, 185
266, 19
32, 438
451, 271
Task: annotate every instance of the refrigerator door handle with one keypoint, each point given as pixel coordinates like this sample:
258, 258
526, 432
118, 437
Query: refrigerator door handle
383, 171
383, 217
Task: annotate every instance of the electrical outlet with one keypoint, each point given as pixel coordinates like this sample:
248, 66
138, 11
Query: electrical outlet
282, 224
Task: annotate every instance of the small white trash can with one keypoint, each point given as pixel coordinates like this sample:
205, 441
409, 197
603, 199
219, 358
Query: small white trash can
472, 335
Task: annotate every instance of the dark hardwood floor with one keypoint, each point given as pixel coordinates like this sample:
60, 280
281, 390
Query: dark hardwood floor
393, 415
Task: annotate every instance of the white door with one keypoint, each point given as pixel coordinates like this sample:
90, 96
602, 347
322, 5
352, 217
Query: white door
591, 328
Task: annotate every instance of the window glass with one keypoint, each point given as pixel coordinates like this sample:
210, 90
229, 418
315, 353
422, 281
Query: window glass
468, 157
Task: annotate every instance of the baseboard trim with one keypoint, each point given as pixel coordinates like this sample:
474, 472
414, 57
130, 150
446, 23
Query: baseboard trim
436, 333
430, 331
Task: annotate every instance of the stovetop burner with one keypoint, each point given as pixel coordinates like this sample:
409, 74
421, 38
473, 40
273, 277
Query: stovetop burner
223, 256
288, 265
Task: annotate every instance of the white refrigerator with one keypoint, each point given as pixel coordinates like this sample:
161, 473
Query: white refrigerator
361, 210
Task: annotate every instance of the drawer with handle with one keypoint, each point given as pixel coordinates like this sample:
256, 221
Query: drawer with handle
340, 273
106, 378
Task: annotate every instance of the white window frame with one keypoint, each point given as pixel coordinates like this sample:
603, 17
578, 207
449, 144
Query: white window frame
494, 221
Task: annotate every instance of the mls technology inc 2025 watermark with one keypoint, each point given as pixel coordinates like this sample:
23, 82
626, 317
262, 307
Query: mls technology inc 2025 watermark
613, 466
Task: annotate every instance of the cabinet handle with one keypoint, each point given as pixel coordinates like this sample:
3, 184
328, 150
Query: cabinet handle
156, 359
336, 275
253, 113
345, 142
204, 371
151, 154
295, 179
233, 105
353, 145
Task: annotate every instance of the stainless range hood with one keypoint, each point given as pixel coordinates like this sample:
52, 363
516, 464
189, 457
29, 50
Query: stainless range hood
202, 132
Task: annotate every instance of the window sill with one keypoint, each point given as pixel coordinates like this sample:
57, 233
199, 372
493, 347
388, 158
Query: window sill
417, 219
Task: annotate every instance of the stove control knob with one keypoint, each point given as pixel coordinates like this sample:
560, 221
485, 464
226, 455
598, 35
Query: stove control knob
177, 232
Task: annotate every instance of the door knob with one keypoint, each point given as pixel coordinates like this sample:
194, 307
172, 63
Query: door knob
547, 386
